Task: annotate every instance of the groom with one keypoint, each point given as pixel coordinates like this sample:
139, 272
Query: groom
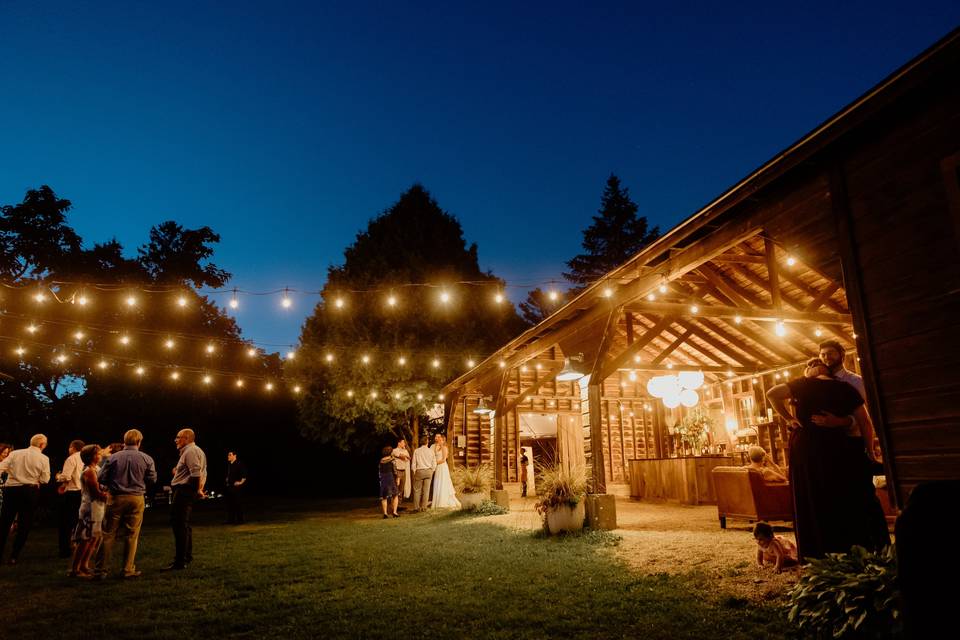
424, 464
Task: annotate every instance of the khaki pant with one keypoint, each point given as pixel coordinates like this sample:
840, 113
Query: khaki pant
421, 488
124, 515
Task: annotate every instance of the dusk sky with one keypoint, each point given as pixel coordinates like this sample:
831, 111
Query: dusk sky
287, 126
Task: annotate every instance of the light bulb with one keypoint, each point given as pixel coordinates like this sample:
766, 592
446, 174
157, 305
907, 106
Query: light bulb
62, 358
401, 361
338, 303
608, 293
131, 301
651, 297
780, 329
40, 296
791, 261
435, 363
440, 396
663, 288
82, 301
636, 358
419, 396
181, 301
32, 328
373, 394
498, 298
291, 355
444, 297
211, 348
140, 371
396, 396
471, 363
296, 388
328, 357
694, 309
818, 332
365, 359
392, 301
738, 319
169, 343
207, 379
632, 376
20, 351
349, 393
553, 295
124, 340
268, 386
175, 375
669, 365
503, 364
102, 364
79, 335
286, 302
523, 368
252, 352
538, 366
234, 303
239, 383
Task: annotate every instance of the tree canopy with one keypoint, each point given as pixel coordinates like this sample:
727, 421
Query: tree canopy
354, 403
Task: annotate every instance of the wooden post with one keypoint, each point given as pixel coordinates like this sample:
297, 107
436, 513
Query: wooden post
499, 424
596, 437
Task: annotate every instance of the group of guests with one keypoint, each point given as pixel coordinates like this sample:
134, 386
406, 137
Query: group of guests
108, 487
833, 458
425, 474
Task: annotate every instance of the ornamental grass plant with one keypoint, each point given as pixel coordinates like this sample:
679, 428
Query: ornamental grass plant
477, 479
559, 485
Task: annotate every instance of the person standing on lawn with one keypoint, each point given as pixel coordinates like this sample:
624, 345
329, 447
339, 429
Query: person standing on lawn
234, 487
26, 470
424, 464
126, 474
189, 479
69, 490
401, 468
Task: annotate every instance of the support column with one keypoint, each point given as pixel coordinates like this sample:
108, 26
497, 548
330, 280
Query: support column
596, 437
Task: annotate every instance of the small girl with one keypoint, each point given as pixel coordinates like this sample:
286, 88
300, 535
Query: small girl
388, 484
87, 533
776, 549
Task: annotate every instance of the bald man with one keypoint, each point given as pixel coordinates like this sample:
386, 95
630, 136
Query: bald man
26, 469
189, 478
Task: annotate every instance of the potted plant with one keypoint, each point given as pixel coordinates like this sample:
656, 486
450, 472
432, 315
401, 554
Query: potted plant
473, 484
561, 491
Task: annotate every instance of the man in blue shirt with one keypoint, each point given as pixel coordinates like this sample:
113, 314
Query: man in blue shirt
127, 475
189, 478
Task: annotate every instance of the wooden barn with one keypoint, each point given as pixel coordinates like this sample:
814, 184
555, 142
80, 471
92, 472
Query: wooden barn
851, 233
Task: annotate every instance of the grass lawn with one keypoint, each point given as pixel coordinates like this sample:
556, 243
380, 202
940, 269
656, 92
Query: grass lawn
335, 569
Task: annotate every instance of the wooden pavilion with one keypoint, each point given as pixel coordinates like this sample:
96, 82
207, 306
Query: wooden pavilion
851, 233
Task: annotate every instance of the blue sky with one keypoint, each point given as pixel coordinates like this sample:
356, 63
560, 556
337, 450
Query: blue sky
286, 126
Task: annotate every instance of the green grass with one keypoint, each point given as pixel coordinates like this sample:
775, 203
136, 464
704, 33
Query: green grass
334, 571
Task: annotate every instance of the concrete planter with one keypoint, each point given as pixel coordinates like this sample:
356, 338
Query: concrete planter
566, 518
470, 501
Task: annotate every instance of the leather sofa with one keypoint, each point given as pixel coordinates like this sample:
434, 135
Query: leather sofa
743, 493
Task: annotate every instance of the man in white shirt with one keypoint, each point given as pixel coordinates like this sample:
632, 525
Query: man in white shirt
401, 467
424, 464
69, 490
189, 479
27, 469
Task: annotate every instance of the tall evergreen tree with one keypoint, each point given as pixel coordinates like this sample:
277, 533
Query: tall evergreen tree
538, 306
414, 241
616, 234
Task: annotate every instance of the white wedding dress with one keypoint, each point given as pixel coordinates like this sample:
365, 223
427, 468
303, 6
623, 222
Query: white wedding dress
444, 495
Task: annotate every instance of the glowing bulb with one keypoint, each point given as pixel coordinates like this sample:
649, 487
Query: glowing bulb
252, 352
268, 386
20, 351
291, 355
296, 388
175, 375
286, 302
328, 357
471, 364
124, 340
32, 328
818, 332
633, 376
234, 303
753, 381
207, 379
211, 348
79, 335
780, 329
854, 336
392, 301
777, 376
538, 366
608, 293
131, 301
40, 296
669, 365
401, 361
729, 373
169, 343
444, 297
239, 383
82, 301
140, 371
373, 394
498, 298
181, 301
791, 261
651, 297
694, 309
662, 288
435, 363
102, 364
338, 303
350, 393
553, 295
62, 358
738, 319
396, 396
440, 396
523, 368
419, 396
365, 359
636, 358
503, 364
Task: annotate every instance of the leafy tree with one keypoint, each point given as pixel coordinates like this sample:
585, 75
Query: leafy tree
616, 234
414, 241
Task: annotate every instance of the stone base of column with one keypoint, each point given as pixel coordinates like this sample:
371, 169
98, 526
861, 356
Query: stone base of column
501, 497
601, 511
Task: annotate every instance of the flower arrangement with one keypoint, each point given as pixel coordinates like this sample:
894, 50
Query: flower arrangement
693, 429
558, 485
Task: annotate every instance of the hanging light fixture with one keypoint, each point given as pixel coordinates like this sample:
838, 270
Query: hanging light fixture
569, 372
482, 408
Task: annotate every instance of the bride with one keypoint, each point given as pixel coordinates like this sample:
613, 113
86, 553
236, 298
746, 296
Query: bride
444, 496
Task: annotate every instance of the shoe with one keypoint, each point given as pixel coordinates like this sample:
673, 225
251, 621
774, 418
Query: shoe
174, 566
385, 516
396, 515
135, 574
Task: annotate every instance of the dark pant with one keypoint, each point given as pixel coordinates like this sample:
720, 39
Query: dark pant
183, 498
69, 512
19, 502
233, 497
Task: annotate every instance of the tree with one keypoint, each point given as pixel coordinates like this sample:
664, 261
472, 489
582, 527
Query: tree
538, 306
616, 234
412, 242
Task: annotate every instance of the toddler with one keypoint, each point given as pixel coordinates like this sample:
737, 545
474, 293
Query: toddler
775, 549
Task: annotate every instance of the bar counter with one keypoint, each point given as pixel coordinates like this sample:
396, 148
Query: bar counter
684, 479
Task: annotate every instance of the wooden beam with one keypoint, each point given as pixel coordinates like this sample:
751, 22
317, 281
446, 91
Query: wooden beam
499, 427
512, 404
609, 331
672, 346
652, 368
744, 313
721, 283
773, 273
738, 258
621, 358
822, 297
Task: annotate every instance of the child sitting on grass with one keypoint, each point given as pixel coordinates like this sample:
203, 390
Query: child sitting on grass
775, 549
87, 534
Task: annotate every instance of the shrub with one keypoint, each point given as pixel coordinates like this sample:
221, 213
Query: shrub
559, 485
473, 479
490, 508
848, 595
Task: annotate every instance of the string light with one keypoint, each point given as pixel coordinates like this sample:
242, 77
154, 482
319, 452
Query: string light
503, 364
396, 395
538, 366
401, 361
234, 301
79, 335
296, 388
103, 364
338, 303
753, 381
124, 340
608, 293
175, 375
131, 301
40, 296
210, 348
365, 359
780, 329
252, 352
373, 394
669, 365
207, 379
62, 358
140, 371
523, 368
268, 386
349, 393
169, 343
440, 396
20, 351
818, 332
694, 309
498, 298
632, 376
738, 319
651, 297
239, 382
82, 300
435, 363
470, 363
328, 357
291, 355
32, 328
662, 288
419, 396
636, 358
286, 302
444, 297
392, 301
791, 261
181, 301
553, 295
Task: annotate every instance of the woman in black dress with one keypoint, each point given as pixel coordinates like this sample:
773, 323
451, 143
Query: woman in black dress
388, 484
835, 506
